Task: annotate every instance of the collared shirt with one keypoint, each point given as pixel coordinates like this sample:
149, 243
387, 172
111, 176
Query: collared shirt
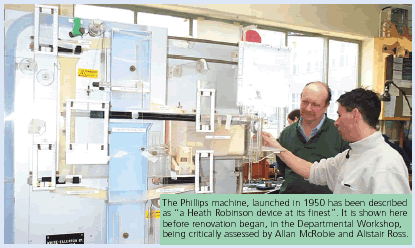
373, 167
313, 131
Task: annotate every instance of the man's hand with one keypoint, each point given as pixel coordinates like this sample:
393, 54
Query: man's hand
269, 140
300, 166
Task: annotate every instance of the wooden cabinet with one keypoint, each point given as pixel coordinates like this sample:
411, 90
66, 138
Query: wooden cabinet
382, 72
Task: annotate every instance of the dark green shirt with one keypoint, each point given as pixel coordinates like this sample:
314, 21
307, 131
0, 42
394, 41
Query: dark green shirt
326, 143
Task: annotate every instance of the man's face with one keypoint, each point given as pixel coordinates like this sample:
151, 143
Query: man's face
345, 123
313, 103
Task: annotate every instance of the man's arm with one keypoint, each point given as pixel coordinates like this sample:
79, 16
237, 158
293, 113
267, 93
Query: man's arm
389, 182
281, 166
300, 166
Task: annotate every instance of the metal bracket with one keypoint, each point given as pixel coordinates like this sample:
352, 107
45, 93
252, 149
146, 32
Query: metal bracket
201, 125
204, 154
54, 12
77, 153
43, 166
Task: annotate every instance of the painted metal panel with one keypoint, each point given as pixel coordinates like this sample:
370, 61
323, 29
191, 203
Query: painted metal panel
65, 214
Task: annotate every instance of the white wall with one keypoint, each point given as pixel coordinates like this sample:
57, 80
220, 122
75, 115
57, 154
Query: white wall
367, 63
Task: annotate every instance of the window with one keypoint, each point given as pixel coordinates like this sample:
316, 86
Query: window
341, 61
296, 69
333, 63
345, 77
300, 57
295, 101
104, 13
270, 37
317, 66
308, 60
177, 26
342, 47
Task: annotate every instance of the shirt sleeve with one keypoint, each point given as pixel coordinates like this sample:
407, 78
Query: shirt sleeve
389, 182
281, 165
390, 176
324, 172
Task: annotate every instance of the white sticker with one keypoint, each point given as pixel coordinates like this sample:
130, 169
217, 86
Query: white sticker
128, 130
170, 190
163, 107
83, 192
218, 137
124, 89
84, 42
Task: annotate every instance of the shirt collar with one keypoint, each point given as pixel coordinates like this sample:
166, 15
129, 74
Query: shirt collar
317, 127
367, 143
313, 131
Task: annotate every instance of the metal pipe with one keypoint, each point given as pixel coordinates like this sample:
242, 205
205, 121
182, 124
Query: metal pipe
173, 56
229, 157
203, 41
240, 180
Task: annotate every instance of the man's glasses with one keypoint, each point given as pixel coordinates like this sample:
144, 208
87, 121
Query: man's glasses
313, 105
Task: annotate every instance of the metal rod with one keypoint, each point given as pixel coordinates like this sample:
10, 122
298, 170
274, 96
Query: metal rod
191, 27
203, 41
173, 56
229, 157
326, 60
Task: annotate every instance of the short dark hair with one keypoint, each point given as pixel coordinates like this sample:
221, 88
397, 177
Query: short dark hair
293, 114
325, 86
366, 101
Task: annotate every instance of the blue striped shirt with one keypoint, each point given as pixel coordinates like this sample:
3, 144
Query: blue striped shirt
313, 131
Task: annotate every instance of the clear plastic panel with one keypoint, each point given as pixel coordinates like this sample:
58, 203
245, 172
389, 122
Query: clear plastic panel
128, 164
228, 139
126, 224
130, 70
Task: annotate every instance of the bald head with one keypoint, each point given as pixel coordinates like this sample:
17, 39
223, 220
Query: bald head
315, 99
320, 88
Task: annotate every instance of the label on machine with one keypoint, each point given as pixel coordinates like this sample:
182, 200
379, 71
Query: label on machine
88, 73
218, 137
70, 238
154, 214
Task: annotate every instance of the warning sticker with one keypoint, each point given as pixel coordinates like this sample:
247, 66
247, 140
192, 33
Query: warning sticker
88, 73
154, 214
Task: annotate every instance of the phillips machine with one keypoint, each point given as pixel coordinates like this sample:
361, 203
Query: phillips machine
96, 127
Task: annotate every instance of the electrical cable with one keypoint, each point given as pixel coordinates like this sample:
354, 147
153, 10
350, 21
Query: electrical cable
409, 105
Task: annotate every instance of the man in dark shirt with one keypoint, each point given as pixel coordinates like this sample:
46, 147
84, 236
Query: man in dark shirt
312, 138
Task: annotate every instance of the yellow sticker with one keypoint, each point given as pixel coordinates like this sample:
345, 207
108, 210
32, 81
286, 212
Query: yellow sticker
154, 214
88, 73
